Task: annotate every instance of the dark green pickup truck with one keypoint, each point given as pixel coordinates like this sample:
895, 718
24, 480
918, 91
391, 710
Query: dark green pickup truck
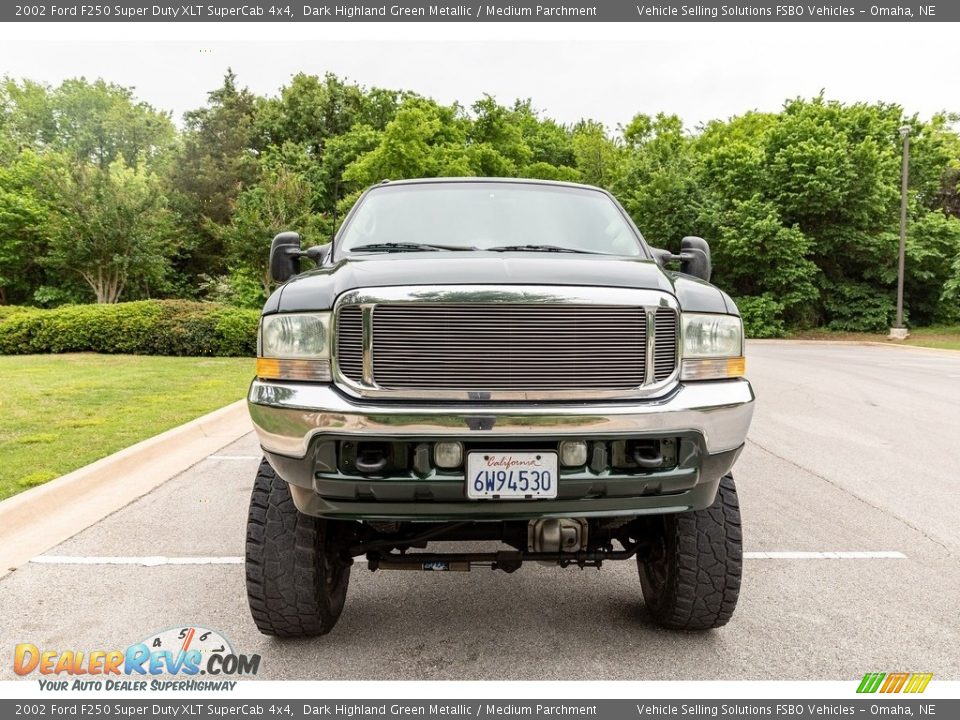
497, 361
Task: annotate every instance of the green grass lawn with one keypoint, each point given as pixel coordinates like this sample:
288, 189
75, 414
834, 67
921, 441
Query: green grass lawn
946, 337
61, 412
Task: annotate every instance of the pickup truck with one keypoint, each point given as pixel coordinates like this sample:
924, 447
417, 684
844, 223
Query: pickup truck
495, 363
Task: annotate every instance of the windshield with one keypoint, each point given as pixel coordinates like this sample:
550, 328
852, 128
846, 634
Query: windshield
489, 216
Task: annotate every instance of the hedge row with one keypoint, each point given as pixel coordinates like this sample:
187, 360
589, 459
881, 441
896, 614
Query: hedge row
146, 327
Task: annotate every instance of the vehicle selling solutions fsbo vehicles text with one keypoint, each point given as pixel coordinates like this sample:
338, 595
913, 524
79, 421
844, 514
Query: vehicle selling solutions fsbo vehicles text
783, 11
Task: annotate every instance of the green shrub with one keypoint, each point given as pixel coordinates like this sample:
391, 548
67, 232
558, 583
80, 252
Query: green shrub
858, 307
17, 331
237, 328
146, 327
8, 310
239, 288
762, 316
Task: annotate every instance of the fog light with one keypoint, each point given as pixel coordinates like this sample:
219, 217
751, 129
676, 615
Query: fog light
573, 453
448, 454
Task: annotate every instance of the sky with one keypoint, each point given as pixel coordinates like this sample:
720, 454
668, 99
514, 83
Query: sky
697, 71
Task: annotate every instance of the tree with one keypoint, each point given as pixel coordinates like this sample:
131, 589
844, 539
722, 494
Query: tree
94, 122
24, 224
219, 154
280, 200
312, 110
497, 130
334, 120
101, 122
550, 143
216, 161
111, 226
932, 261
340, 152
599, 158
833, 171
26, 114
658, 185
829, 172
757, 256
47, 136
424, 139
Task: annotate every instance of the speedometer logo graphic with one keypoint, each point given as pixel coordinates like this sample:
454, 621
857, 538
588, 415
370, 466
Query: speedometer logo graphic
181, 640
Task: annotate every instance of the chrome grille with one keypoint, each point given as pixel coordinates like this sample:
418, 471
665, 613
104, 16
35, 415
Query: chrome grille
665, 343
504, 342
508, 347
350, 342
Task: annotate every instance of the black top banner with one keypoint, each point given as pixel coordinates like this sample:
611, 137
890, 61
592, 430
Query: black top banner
648, 11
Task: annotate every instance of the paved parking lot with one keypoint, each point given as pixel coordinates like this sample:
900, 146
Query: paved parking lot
853, 449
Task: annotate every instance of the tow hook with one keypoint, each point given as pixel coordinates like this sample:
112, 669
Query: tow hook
647, 457
370, 460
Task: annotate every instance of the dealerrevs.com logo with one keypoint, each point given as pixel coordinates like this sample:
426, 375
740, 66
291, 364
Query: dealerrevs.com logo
897, 682
187, 652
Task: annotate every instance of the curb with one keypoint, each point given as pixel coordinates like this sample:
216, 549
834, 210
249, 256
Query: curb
873, 343
911, 347
36, 520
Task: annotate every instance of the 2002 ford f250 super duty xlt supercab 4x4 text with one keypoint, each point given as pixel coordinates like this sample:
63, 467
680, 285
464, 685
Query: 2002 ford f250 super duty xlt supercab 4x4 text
495, 360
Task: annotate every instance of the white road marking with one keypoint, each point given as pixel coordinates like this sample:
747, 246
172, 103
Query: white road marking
233, 457
155, 560
149, 561
828, 555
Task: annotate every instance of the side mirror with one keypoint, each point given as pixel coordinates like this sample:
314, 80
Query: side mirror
695, 258
285, 256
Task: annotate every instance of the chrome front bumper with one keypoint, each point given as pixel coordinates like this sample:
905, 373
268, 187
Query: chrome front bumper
288, 416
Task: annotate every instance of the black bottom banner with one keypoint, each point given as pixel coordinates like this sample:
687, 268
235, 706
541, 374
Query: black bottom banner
480, 709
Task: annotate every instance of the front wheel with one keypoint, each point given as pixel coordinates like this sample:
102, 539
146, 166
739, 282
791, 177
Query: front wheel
691, 578
296, 580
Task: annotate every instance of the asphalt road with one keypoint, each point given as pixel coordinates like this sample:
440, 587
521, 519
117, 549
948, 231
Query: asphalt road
853, 448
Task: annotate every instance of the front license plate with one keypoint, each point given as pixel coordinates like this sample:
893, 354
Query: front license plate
525, 475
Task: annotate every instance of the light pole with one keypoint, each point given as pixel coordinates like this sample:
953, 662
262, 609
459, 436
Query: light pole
898, 331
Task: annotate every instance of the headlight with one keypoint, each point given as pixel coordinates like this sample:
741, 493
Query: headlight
294, 347
712, 347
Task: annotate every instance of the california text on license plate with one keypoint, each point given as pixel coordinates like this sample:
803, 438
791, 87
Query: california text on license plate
528, 475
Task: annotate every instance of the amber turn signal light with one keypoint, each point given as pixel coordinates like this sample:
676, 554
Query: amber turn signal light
713, 368
281, 369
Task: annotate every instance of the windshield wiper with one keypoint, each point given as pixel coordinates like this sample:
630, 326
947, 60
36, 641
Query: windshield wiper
407, 247
537, 248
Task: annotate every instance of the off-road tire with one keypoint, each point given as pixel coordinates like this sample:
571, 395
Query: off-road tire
295, 585
691, 579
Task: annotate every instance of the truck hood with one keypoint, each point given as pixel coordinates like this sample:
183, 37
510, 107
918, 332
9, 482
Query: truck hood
318, 289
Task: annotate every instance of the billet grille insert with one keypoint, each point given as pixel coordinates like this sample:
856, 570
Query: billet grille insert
665, 343
509, 347
350, 342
